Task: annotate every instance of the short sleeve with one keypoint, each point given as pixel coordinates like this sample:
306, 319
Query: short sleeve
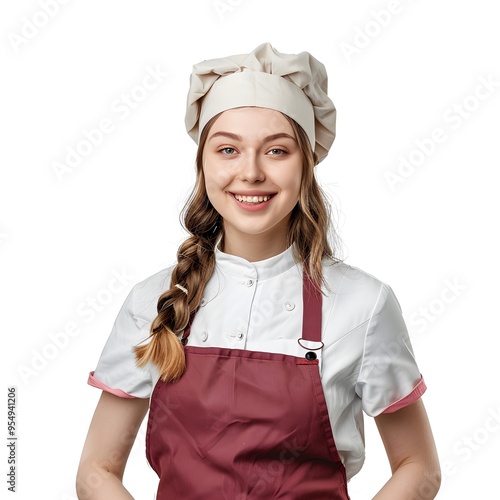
389, 378
116, 371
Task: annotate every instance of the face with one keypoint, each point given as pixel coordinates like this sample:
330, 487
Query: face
253, 168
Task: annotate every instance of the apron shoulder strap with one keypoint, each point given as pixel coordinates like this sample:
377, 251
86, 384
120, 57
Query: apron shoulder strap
312, 304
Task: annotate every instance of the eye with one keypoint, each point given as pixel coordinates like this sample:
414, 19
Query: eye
227, 151
276, 152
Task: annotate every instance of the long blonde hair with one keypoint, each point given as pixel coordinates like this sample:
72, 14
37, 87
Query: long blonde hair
309, 229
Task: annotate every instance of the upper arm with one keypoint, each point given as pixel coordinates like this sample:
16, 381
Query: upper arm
111, 435
407, 438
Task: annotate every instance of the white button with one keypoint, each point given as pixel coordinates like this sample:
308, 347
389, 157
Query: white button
239, 335
249, 283
289, 305
204, 336
202, 302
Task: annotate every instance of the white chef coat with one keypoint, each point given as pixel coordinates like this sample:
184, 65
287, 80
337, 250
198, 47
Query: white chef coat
366, 364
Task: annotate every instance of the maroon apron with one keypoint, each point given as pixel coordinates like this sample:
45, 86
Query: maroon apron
244, 424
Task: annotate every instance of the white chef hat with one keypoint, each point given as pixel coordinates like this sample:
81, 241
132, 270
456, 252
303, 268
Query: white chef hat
294, 84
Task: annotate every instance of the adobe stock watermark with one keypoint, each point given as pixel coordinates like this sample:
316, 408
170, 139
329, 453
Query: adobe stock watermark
101, 473
453, 118
264, 476
121, 107
32, 26
471, 443
278, 301
391, 350
222, 7
59, 340
371, 29
164, 408
429, 313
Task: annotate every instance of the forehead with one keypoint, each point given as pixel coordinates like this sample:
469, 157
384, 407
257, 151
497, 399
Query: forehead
252, 122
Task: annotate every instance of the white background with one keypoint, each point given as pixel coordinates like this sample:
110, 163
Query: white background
63, 237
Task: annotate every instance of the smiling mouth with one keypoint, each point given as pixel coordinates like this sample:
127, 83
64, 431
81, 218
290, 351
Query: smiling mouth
253, 200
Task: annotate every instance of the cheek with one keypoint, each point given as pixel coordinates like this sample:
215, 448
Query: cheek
216, 182
293, 182
216, 177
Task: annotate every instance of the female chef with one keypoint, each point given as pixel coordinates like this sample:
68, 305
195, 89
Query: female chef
258, 351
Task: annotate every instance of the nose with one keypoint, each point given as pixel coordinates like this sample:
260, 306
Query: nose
250, 169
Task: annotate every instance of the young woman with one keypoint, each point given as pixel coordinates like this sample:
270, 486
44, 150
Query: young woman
257, 353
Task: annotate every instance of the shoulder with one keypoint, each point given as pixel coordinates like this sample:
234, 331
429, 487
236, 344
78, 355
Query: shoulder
145, 294
354, 296
344, 279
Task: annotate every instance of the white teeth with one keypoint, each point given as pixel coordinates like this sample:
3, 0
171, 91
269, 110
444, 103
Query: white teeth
252, 199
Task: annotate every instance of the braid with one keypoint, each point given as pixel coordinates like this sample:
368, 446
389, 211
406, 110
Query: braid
195, 266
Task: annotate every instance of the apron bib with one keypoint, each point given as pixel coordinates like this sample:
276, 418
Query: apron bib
244, 424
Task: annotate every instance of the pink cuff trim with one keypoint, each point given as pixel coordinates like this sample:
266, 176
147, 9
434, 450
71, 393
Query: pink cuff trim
420, 388
117, 392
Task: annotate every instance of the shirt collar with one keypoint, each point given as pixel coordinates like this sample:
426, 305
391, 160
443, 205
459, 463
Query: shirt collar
261, 270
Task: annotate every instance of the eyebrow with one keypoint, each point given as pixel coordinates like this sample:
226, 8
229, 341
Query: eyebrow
235, 137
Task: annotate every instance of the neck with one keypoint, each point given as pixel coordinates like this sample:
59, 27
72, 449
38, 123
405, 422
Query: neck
253, 247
